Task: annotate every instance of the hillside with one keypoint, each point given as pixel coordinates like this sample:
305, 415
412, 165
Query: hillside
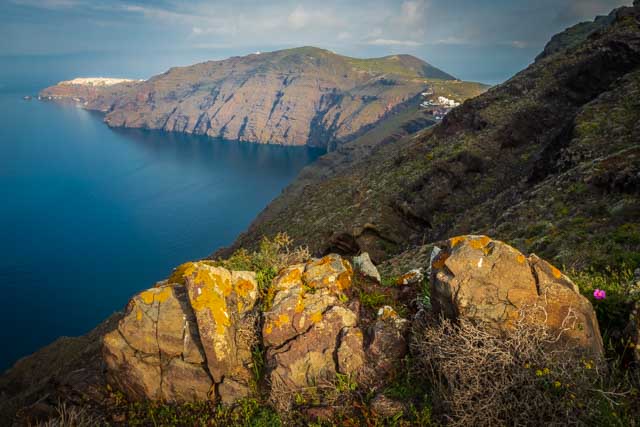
302, 96
547, 161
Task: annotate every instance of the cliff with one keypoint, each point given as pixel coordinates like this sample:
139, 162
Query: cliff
302, 96
546, 161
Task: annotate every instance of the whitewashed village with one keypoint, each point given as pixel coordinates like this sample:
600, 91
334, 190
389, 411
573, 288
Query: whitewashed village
437, 107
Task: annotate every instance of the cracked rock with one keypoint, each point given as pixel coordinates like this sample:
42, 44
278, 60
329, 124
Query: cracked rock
187, 337
484, 280
310, 334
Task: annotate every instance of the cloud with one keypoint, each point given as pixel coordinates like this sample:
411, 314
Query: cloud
298, 18
47, 4
392, 42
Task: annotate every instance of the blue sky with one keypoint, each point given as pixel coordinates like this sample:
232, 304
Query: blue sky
485, 40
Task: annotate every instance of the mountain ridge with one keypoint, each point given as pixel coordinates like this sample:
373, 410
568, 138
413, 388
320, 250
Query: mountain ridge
300, 96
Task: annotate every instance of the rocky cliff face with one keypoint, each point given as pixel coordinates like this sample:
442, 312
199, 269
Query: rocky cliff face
546, 161
303, 96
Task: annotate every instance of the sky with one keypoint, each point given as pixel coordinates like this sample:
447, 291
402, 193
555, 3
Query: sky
482, 40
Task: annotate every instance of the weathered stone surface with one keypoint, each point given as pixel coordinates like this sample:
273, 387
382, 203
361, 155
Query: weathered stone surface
388, 341
309, 333
176, 340
480, 279
411, 277
363, 264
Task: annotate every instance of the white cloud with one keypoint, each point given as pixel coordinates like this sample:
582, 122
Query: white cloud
392, 42
298, 18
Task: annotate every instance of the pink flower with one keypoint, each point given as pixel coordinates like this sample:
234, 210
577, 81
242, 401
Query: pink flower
599, 294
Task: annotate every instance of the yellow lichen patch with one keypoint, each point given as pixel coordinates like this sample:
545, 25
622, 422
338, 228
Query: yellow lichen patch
454, 241
386, 313
292, 276
556, 273
268, 329
299, 306
138, 314
240, 306
345, 278
282, 320
520, 259
210, 293
149, 296
181, 272
243, 287
316, 317
480, 242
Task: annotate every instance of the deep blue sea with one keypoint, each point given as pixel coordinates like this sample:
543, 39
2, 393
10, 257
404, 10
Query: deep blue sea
90, 215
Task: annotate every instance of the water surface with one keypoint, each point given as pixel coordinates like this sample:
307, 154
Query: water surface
90, 215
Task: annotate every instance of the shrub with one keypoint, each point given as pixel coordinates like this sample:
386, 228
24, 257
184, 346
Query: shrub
479, 378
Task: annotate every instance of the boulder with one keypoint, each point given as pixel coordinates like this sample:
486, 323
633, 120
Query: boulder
363, 264
186, 338
389, 342
309, 333
484, 280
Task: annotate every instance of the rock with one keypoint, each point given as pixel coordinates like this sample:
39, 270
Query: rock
223, 303
484, 280
411, 277
388, 341
309, 333
363, 264
186, 338
384, 406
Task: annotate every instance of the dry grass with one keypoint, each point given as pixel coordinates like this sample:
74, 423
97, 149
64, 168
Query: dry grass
481, 379
72, 416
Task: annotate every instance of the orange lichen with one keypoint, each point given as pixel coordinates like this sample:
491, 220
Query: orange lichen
291, 276
243, 287
316, 317
268, 329
282, 320
439, 262
480, 242
454, 241
520, 259
556, 273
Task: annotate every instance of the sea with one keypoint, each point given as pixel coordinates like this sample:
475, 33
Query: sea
91, 215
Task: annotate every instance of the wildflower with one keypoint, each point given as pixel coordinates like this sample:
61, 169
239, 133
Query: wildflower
527, 365
599, 294
587, 365
546, 371
557, 384
538, 373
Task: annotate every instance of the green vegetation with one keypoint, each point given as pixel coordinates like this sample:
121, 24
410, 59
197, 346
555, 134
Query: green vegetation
247, 412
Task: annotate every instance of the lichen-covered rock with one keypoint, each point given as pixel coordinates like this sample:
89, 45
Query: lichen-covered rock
484, 280
310, 334
364, 265
411, 277
187, 337
155, 352
223, 303
388, 341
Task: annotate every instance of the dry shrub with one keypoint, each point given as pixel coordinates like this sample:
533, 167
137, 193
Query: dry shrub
526, 378
72, 416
